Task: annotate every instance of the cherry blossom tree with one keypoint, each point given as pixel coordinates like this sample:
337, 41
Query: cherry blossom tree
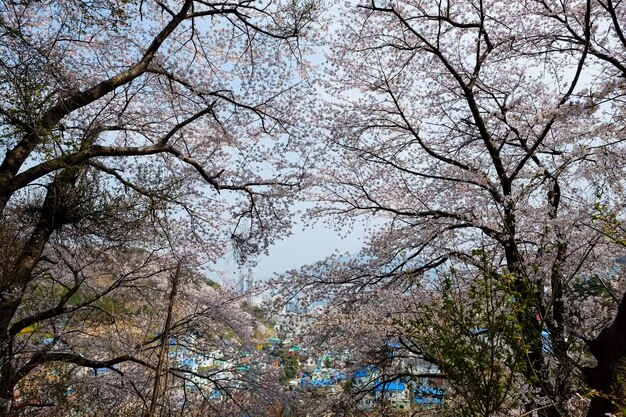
186, 361
476, 127
136, 132
131, 340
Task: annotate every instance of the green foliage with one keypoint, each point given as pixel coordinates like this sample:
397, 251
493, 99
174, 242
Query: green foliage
589, 287
475, 337
202, 369
290, 364
610, 225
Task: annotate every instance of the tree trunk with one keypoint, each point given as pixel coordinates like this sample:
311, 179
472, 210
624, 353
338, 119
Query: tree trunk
608, 378
53, 216
6, 368
10, 299
531, 327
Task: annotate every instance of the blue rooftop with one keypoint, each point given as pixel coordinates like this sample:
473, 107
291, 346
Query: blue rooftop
360, 373
391, 386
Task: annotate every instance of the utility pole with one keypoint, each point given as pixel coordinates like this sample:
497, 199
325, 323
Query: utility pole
164, 343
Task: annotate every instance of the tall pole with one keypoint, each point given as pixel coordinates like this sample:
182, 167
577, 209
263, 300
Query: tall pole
164, 339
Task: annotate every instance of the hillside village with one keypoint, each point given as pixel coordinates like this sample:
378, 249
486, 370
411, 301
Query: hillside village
435, 192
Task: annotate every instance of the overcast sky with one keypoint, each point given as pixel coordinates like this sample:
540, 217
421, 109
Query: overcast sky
314, 243
302, 247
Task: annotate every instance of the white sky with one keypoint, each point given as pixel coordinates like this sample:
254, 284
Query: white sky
302, 247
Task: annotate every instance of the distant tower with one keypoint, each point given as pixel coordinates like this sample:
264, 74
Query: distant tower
250, 281
246, 282
242, 283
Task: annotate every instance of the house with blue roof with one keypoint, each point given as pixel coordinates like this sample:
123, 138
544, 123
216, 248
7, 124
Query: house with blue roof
394, 393
401, 393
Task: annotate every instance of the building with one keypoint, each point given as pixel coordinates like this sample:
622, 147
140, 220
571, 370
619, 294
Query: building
246, 285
